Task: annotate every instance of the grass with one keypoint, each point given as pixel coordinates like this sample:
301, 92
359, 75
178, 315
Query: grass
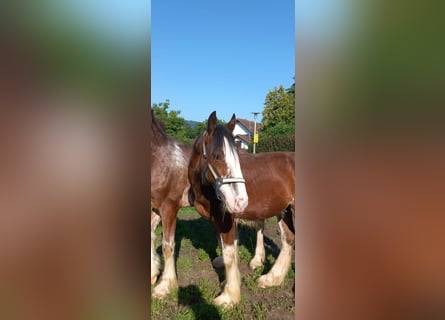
244, 253
184, 263
259, 311
199, 282
202, 254
249, 280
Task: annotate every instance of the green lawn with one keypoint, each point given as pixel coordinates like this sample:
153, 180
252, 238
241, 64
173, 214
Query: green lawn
196, 246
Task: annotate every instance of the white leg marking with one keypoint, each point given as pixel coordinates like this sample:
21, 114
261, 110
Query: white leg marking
260, 253
281, 266
168, 279
155, 260
232, 290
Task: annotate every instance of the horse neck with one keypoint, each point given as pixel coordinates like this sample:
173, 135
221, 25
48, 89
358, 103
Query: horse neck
196, 164
158, 137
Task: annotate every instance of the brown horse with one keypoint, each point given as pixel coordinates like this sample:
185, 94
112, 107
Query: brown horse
219, 188
169, 192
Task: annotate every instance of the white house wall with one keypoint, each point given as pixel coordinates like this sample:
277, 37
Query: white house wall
240, 130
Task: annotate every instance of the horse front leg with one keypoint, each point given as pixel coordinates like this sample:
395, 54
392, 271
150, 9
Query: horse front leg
260, 253
168, 280
155, 260
231, 293
218, 262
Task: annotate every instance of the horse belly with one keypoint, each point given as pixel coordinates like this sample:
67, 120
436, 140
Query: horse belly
267, 199
264, 209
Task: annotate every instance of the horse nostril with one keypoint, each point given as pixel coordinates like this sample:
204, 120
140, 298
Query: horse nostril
240, 202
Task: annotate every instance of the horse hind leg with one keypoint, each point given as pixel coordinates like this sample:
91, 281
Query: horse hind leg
155, 260
281, 266
260, 253
168, 280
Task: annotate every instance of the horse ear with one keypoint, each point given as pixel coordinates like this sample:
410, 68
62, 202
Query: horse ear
231, 124
212, 123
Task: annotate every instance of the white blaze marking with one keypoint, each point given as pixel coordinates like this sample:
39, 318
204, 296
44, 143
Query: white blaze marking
232, 160
235, 193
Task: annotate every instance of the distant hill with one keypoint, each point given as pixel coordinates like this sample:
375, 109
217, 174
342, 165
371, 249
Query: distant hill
192, 123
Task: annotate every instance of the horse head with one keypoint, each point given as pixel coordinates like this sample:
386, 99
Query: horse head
220, 164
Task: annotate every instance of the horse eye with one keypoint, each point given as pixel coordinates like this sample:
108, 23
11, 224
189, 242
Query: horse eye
218, 157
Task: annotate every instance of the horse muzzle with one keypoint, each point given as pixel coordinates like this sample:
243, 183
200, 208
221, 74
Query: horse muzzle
234, 195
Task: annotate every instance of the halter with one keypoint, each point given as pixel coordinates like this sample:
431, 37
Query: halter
219, 181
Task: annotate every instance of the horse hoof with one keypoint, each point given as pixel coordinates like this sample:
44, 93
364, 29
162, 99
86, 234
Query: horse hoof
218, 262
154, 279
160, 292
266, 281
255, 263
163, 289
225, 301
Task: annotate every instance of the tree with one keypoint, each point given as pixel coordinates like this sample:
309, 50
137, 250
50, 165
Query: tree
279, 112
175, 125
278, 127
291, 89
202, 126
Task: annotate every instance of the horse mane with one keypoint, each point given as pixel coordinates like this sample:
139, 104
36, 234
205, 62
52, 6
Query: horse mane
221, 132
158, 129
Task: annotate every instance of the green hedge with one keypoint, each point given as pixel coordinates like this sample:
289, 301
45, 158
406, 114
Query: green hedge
275, 143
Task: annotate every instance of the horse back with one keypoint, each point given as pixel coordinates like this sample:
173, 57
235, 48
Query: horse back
169, 180
270, 183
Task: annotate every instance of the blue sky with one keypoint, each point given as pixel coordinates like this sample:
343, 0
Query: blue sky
220, 55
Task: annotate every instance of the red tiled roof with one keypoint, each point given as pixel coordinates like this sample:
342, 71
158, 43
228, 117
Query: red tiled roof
249, 125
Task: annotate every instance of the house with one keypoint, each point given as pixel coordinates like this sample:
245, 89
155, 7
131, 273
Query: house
243, 132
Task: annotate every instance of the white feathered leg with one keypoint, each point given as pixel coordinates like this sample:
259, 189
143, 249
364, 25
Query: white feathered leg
155, 260
168, 279
281, 266
232, 290
260, 253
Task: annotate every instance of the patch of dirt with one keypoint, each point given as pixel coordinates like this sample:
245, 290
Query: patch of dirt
197, 242
278, 302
